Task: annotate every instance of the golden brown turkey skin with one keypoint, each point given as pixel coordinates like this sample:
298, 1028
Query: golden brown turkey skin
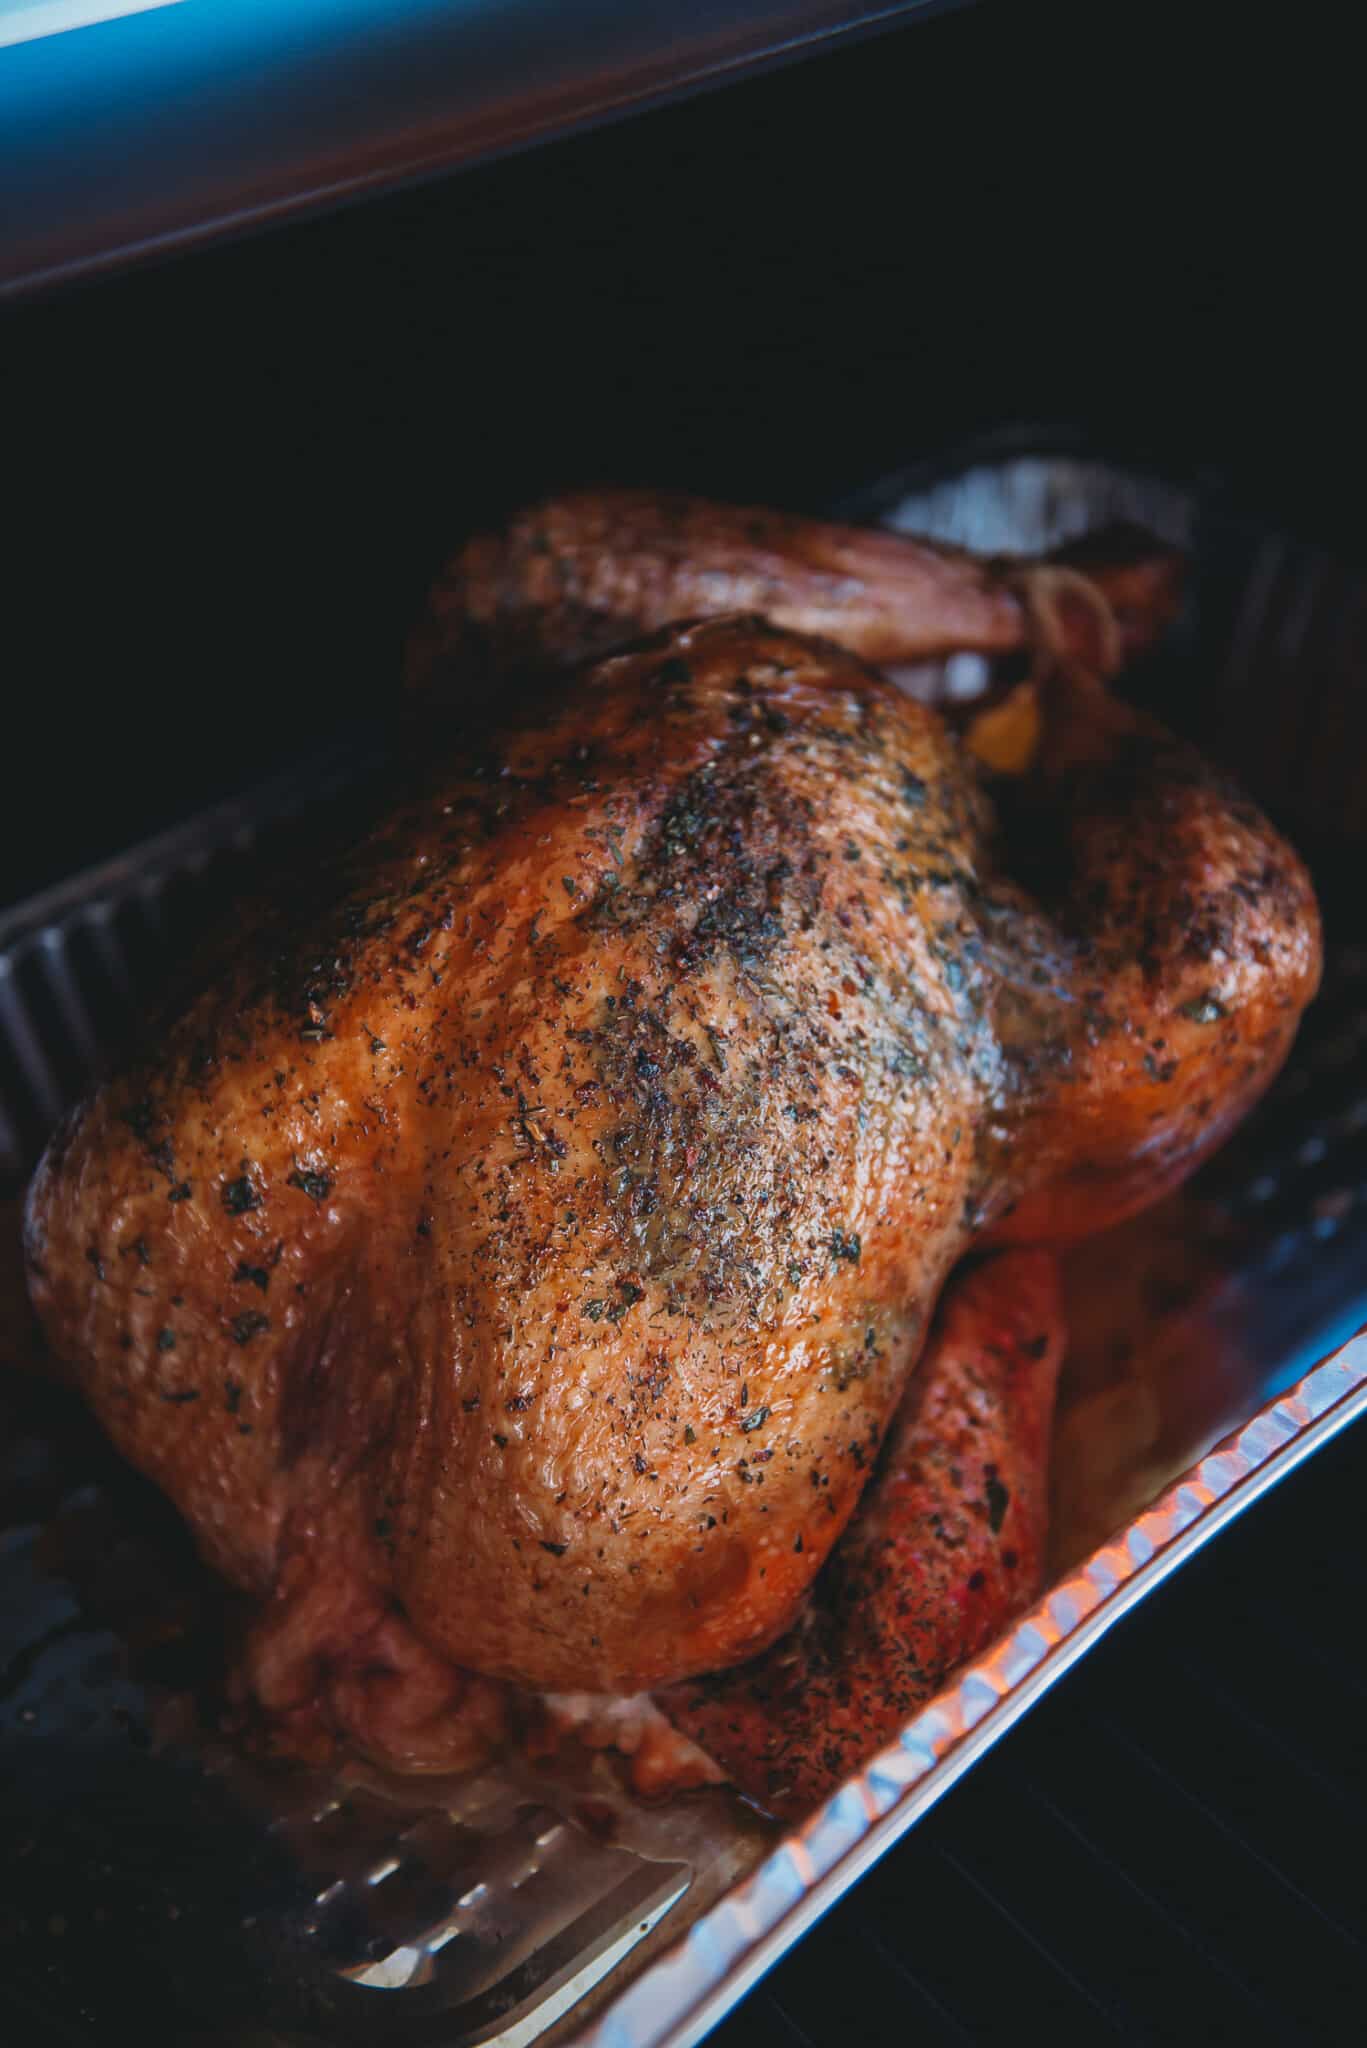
948, 1543
535, 1221
1186, 935
545, 1233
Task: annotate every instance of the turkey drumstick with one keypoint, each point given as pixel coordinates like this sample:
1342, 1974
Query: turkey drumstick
947, 1542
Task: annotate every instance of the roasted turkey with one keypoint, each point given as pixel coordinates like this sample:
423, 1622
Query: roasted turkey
511, 1259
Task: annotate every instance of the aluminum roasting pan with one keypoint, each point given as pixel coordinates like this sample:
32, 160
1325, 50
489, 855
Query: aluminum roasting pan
524, 1904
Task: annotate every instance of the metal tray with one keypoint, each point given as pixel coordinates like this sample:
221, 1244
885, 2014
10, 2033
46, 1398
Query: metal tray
148, 1872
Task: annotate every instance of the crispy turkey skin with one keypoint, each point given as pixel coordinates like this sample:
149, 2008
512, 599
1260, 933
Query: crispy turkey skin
538, 1235
531, 1236
946, 1544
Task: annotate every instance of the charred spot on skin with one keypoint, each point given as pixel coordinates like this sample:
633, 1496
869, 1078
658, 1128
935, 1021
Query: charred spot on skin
163, 1157
239, 1196
249, 1324
845, 1245
555, 1549
998, 1500
317, 1186
252, 1276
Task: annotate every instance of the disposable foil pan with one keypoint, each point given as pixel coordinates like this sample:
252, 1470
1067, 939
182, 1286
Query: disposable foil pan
147, 1869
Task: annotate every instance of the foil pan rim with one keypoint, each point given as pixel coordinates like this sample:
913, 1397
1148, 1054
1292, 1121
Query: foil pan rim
685, 1991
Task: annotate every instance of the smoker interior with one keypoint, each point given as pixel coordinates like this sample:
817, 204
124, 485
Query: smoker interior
235, 474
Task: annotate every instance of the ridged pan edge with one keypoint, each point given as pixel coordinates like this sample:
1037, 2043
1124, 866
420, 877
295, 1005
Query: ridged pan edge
674, 2002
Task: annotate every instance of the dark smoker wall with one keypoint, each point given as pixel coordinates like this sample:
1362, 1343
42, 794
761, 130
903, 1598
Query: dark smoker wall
229, 477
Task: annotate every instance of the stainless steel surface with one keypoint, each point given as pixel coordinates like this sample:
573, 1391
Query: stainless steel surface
132, 135
525, 1902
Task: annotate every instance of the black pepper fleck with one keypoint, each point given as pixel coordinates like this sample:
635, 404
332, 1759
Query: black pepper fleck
998, 1501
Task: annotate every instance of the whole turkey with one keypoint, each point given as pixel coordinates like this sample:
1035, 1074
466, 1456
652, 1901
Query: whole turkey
511, 1260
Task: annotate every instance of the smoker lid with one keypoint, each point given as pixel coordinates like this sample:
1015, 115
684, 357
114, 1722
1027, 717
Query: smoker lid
137, 126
